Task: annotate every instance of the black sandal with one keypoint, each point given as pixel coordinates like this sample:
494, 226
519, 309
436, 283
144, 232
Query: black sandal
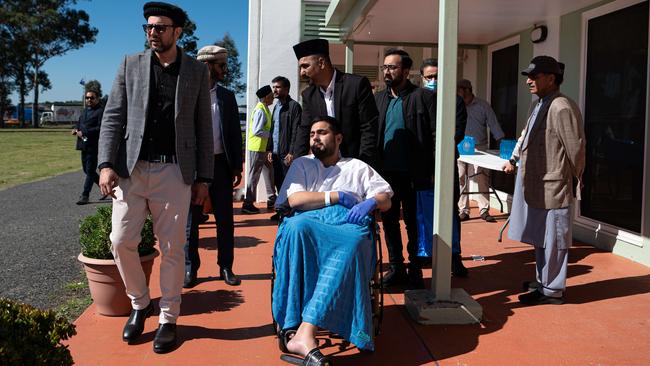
284, 336
313, 358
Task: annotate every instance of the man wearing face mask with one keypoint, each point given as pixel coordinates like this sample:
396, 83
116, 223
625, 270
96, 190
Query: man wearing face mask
429, 73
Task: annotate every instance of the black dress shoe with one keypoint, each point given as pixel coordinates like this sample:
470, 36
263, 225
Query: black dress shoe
537, 298
190, 280
165, 339
531, 285
457, 267
396, 275
229, 277
487, 217
203, 218
463, 217
135, 325
415, 280
83, 200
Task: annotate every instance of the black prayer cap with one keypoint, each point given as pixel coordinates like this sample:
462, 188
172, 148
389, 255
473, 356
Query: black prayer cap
173, 12
263, 91
317, 46
545, 65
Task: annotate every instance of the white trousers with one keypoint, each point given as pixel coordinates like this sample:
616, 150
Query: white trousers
480, 176
158, 189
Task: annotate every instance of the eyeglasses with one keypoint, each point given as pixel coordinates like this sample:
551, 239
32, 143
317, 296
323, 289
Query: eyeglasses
430, 77
90, 98
389, 67
159, 28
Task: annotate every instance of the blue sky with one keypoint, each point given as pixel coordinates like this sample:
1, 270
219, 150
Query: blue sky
120, 33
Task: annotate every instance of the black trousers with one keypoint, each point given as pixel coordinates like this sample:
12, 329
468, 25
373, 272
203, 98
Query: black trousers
404, 197
279, 172
221, 197
89, 166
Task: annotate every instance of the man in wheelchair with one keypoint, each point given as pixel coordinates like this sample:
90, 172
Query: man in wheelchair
324, 253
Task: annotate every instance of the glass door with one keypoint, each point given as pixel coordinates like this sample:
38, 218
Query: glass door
615, 117
503, 98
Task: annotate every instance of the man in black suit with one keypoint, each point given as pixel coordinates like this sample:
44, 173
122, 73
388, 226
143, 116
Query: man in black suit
87, 132
227, 172
346, 97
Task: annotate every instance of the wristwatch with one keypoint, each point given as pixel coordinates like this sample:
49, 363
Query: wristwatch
513, 162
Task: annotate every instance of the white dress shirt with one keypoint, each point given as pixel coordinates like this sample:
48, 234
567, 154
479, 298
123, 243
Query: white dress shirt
328, 95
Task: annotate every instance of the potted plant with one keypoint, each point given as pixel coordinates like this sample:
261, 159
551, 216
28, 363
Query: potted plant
104, 281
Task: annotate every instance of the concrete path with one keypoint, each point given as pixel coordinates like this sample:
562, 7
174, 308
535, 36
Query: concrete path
39, 238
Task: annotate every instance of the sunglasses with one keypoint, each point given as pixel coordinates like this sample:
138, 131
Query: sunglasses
90, 98
159, 28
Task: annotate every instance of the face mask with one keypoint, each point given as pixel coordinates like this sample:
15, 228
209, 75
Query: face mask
431, 84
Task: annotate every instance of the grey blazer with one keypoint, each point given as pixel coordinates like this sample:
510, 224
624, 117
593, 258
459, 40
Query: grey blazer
124, 118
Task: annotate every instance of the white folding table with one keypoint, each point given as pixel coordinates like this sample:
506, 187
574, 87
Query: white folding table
488, 160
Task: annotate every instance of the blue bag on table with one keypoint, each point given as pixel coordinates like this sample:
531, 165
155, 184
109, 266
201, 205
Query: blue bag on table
424, 216
506, 148
467, 146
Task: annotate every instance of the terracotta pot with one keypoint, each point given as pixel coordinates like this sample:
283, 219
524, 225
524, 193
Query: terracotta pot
106, 286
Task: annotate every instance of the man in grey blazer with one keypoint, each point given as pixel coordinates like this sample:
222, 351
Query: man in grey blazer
550, 154
155, 154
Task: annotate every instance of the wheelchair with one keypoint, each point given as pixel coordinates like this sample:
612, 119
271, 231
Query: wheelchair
376, 289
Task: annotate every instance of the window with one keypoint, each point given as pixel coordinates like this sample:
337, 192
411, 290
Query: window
615, 116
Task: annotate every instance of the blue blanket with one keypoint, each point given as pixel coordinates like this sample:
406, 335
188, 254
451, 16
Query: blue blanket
323, 267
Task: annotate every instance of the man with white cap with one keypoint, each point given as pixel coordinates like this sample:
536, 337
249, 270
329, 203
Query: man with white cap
155, 153
226, 138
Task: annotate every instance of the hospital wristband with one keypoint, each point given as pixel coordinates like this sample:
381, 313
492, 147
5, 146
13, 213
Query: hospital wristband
327, 198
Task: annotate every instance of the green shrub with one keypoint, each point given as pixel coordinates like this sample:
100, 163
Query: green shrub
94, 234
29, 336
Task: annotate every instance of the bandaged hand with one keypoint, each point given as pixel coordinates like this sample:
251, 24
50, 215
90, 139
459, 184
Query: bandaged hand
347, 199
361, 210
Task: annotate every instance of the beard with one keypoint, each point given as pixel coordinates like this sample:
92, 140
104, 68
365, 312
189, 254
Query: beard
321, 151
162, 46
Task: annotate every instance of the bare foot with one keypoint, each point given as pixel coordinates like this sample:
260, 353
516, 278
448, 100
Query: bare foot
301, 345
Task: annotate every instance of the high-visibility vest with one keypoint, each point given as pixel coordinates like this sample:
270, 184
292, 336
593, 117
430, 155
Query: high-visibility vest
257, 143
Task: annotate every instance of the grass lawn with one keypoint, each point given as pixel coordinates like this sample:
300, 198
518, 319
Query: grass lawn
33, 154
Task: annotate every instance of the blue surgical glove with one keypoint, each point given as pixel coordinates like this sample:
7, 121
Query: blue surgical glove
346, 199
361, 210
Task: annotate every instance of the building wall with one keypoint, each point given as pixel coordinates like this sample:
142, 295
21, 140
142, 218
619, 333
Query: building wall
270, 51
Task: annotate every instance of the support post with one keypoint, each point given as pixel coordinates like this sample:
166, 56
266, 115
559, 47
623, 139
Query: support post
443, 305
349, 57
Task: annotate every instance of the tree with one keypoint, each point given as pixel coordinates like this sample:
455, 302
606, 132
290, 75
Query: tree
43, 81
233, 79
6, 86
187, 40
48, 28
